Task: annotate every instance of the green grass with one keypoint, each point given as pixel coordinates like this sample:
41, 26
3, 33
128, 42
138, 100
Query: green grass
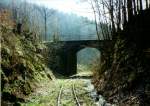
48, 93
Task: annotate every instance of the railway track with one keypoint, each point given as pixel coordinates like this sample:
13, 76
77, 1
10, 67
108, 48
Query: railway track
74, 96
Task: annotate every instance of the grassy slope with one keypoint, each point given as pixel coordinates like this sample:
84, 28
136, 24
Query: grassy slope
48, 97
22, 66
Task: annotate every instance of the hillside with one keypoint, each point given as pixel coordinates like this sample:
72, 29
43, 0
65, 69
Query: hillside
123, 78
23, 66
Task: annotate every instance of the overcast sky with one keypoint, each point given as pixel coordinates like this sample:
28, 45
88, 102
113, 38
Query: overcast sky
67, 6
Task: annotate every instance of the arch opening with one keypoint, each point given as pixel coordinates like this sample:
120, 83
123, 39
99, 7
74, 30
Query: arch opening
86, 58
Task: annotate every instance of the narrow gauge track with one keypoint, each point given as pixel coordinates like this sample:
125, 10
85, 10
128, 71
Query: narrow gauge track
74, 96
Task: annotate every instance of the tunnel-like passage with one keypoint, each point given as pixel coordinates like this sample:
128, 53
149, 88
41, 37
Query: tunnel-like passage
86, 58
69, 54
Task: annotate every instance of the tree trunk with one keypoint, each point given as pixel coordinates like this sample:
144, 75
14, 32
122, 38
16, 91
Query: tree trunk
14, 10
119, 15
137, 5
141, 5
146, 1
107, 33
134, 4
111, 11
124, 13
100, 23
95, 21
129, 8
45, 26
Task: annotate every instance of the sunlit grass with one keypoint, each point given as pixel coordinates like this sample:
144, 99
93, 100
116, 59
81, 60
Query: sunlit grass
48, 93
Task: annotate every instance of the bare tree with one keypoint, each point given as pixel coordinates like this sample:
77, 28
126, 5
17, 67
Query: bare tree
111, 11
94, 11
14, 10
20, 14
141, 4
124, 13
137, 5
119, 14
129, 8
101, 19
134, 7
146, 1
45, 13
120, 11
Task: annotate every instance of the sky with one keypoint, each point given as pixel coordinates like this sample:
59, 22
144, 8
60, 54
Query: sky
67, 6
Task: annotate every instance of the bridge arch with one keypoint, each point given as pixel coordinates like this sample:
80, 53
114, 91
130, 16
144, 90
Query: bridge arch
71, 67
68, 50
86, 57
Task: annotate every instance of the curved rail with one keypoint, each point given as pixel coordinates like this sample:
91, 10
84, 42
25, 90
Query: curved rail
59, 96
75, 96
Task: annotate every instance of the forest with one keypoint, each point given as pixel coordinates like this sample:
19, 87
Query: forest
75, 52
51, 24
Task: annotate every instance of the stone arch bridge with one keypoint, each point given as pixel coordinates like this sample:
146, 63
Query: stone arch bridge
67, 53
